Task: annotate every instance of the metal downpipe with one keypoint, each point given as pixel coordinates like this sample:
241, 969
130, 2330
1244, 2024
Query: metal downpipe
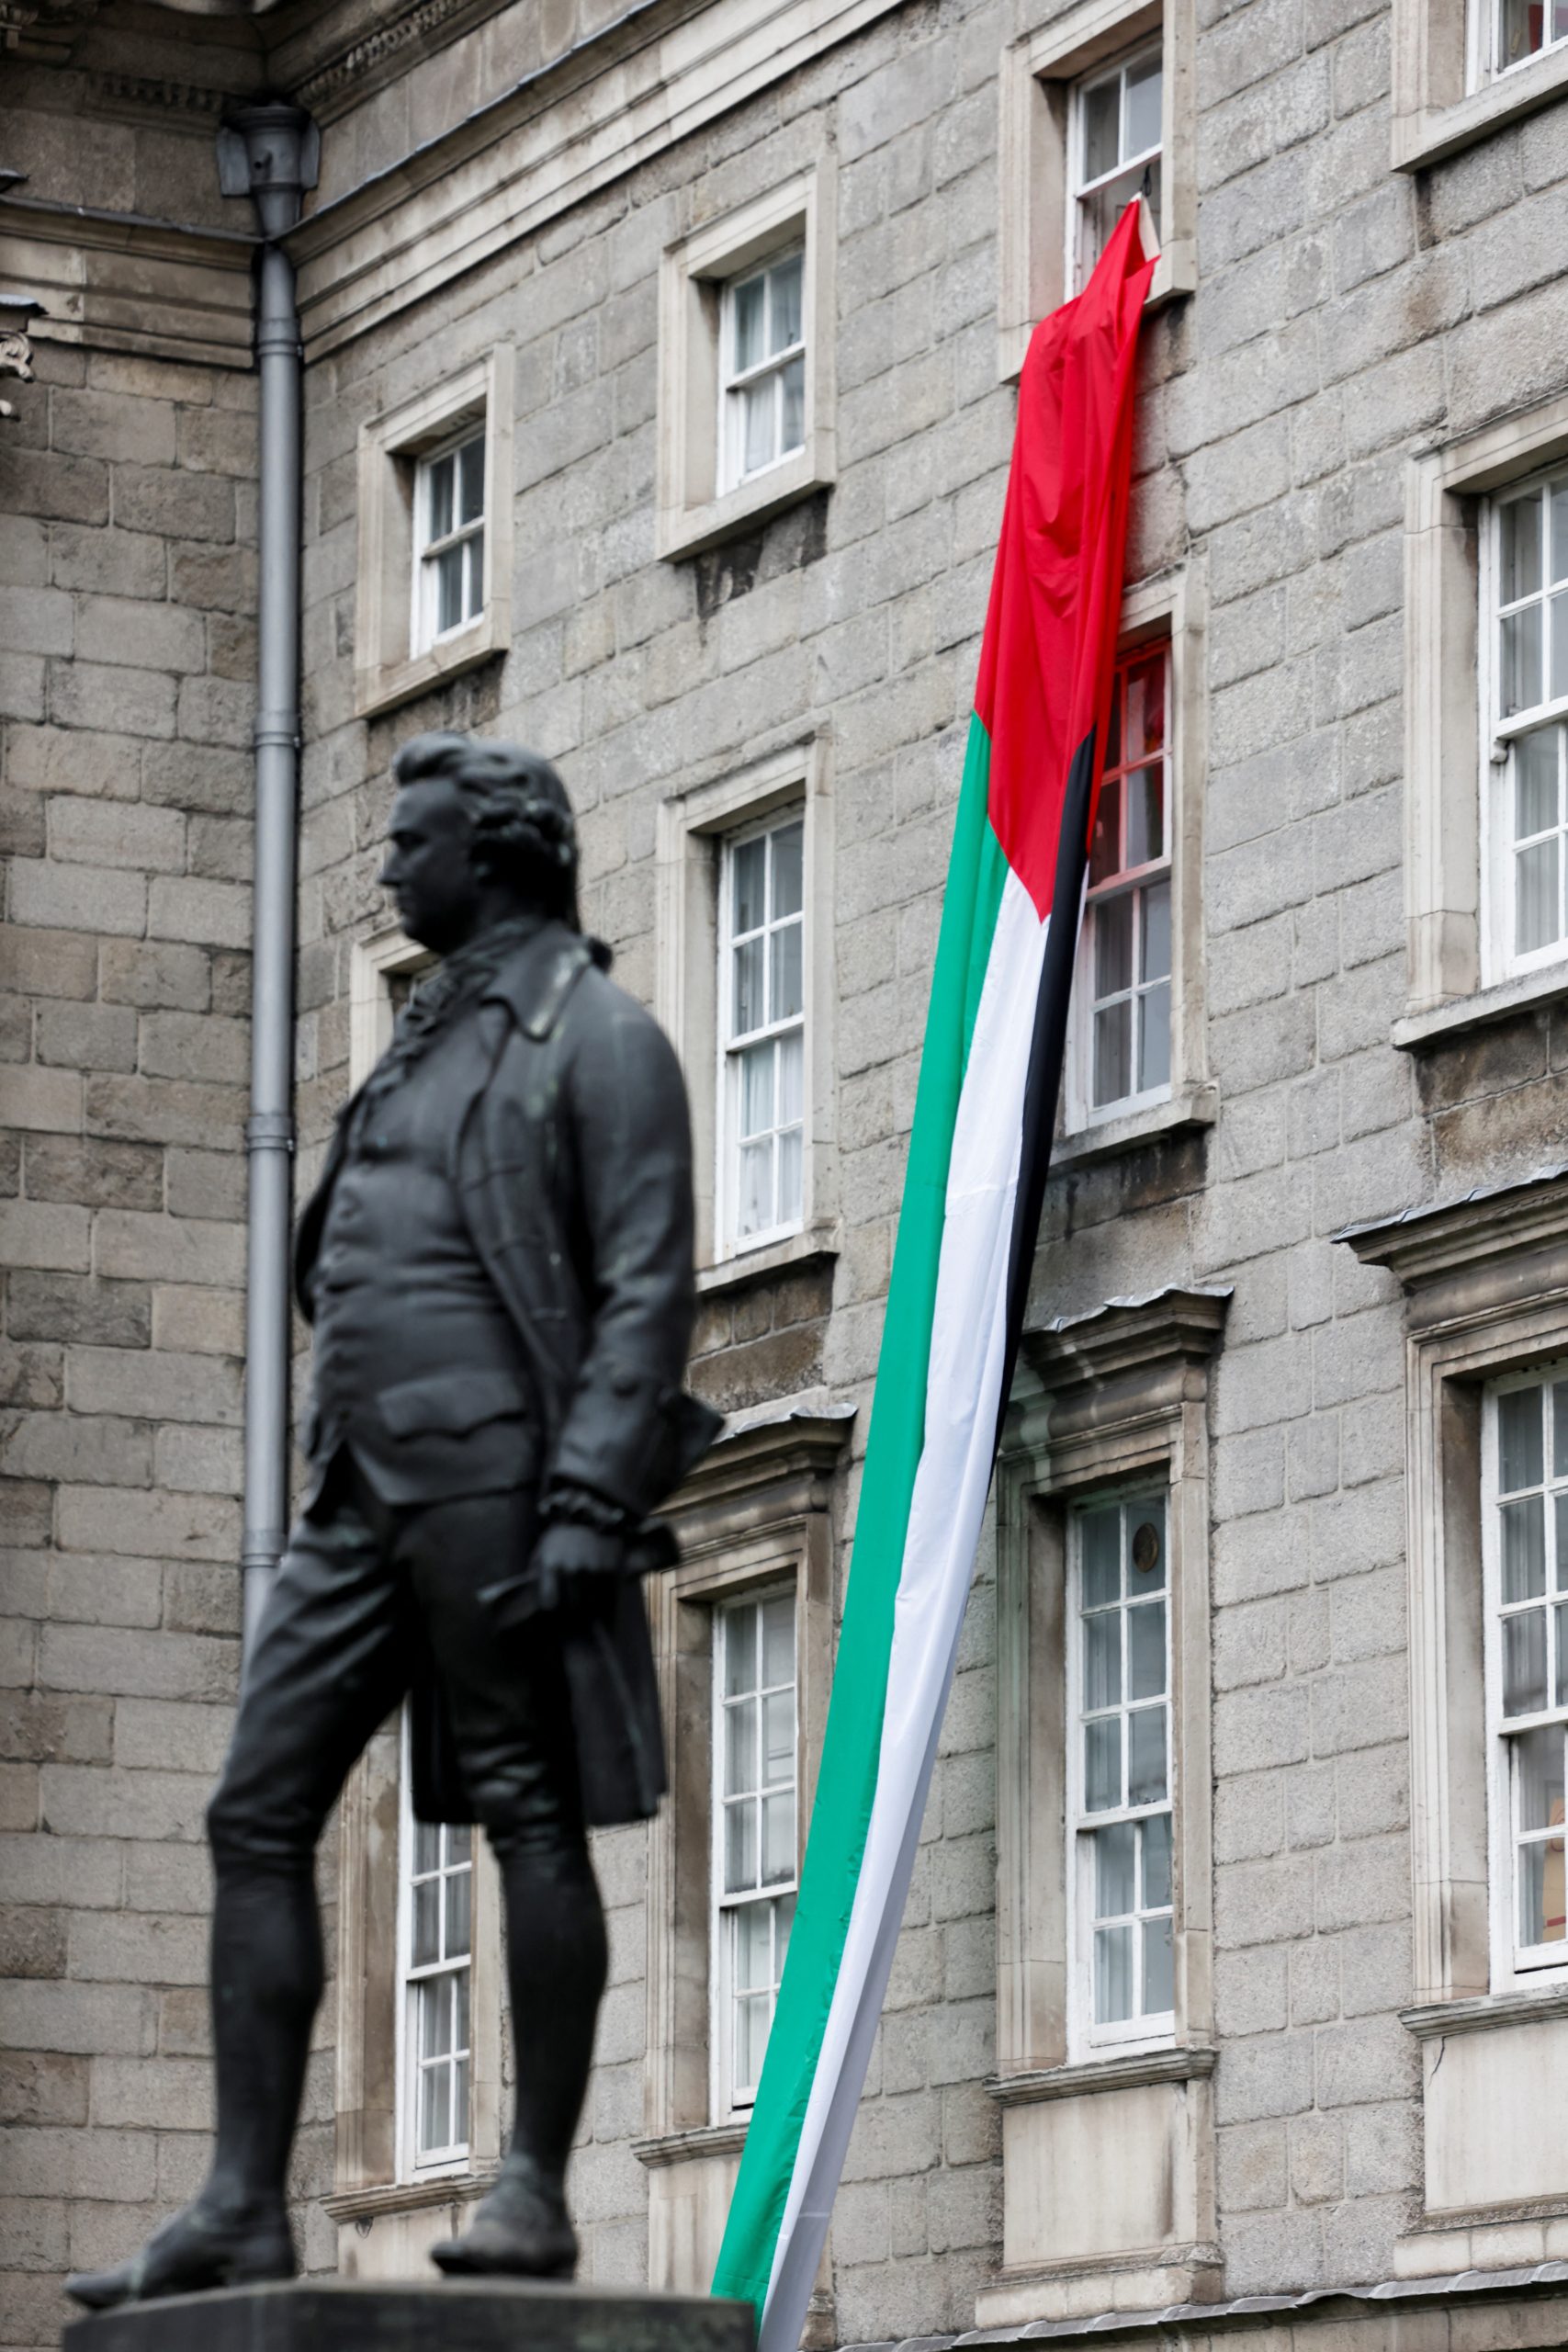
270, 153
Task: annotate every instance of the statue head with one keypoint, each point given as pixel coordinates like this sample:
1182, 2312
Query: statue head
479, 831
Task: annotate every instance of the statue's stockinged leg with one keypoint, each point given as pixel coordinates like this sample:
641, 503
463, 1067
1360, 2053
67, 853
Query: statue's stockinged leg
557, 1961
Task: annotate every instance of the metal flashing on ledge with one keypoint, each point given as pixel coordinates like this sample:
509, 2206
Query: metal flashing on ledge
1197, 2320
1423, 1243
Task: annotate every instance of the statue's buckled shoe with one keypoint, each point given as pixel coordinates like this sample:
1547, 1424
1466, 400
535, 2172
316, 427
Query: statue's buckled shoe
520, 2230
197, 2249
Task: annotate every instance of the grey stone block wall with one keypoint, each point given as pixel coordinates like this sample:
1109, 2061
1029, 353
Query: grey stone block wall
127, 491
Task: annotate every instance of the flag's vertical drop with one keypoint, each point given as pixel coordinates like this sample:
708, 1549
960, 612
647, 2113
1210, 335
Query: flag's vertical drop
972, 1196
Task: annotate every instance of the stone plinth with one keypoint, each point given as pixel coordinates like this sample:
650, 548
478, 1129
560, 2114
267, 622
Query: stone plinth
445, 2315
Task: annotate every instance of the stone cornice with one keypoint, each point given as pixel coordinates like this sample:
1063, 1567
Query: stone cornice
1422, 1245
374, 57
762, 1452
120, 281
659, 72
1127, 1335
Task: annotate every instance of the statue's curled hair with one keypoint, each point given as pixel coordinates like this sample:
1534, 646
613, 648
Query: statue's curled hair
523, 823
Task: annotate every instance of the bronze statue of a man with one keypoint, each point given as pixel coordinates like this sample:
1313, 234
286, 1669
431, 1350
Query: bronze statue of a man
498, 1266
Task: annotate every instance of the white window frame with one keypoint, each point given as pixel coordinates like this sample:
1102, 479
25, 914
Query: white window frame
456, 2157
1077, 262
731, 1044
1040, 85
1501, 961
699, 505
728, 2097
734, 380
1540, 1965
1082, 1110
429, 546
394, 656
1155, 2030
1456, 976
692, 977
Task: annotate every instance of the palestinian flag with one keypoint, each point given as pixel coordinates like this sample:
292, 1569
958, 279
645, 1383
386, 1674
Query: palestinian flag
984, 1115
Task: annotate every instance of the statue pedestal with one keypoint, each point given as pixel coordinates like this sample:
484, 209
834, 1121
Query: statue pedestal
445, 2315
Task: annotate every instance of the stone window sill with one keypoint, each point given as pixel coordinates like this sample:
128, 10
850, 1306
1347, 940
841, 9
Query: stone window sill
703, 2140
684, 531
1482, 2013
1127, 2070
1430, 134
383, 689
1189, 1107
799, 1253
1528, 993
408, 2196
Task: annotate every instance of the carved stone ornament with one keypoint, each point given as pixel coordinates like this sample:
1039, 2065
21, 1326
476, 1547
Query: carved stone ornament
16, 349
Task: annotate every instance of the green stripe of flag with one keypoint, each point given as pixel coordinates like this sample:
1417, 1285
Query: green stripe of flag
847, 1776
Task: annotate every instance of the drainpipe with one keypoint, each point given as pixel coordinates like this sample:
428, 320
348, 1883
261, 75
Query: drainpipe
270, 152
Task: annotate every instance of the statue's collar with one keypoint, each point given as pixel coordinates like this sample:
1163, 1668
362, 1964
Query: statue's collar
536, 978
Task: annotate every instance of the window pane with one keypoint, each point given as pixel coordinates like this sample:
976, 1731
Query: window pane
439, 512
1521, 1453
1105, 846
753, 1947
786, 279
434, 2109
459, 1933
1147, 1550
739, 1651
459, 1845
756, 1188
1159, 1975
460, 2100
759, 405
460, 2020
1521, 660
750, 320
1102, 1764
788, 845
1145, 1755
778, 1838
1112, 1974
1115, 1859
751, 2041
1113, 945
426, 1848
1113, 1053
788, 1208
1102, 128
1535, 784
757, 1088
740, 1848
1561, 1508
778, 1640
791, 1052
1523, 1548
1559, 630
1154, 1038
1156, 1862
435, 2018
1541, 1892
1146, 1651
1102, 1659
1153, 959
1144, 81
1561, 1617
471, 486
1537, 922
786, 997
748, 1013
426, 1938
792, 432
1521, 30
1521, 548
1560, 1431
449, 589
1538, 1779
1101, 1537
778, 1736
750, 865
1145, 815
1524, 1663
739, 1747
476, 561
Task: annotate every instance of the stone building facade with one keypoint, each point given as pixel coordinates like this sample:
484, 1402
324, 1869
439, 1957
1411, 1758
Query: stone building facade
660, 367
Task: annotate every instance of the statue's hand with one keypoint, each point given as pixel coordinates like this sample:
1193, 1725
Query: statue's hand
569, 1562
